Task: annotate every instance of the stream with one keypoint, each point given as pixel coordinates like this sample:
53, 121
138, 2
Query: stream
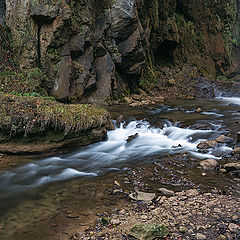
55, 196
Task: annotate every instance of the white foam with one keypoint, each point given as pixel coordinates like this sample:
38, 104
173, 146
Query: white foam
235, 100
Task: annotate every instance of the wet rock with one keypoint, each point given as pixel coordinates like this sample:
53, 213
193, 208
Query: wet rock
142, 196
200, 236
223, 139
132, 137
236, 151
209, 164
232, 166
233, 227
166, 192
207, 144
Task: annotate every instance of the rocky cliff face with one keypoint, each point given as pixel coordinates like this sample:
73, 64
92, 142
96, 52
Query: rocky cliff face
95, 50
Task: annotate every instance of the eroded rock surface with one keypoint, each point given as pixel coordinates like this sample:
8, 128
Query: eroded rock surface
94, 51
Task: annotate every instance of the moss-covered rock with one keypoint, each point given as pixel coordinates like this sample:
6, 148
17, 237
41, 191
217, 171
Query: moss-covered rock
149, 231
31, 124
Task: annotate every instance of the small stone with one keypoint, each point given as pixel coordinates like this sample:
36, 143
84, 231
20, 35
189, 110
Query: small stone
135, 104
221, 237
182, 229
200, 236
142, 196
128, 100
217, 210
166, 192
236, 150
115, 221
222, 170
209, 164
198, 110
117, 183
123, 212
192, 192
233, 227
132, 137
235, 217
204, 174
72, 215
136, 97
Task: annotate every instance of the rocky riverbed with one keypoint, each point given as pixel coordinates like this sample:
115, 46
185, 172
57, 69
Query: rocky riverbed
186, 215
173, 169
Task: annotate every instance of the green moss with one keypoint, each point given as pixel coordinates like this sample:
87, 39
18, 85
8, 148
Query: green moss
24, 115
21, 82
149, 231
149, 79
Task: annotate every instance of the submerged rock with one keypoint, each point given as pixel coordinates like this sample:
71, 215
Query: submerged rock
132, 137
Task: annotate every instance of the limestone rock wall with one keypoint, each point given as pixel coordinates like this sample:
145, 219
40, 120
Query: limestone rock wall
93, 50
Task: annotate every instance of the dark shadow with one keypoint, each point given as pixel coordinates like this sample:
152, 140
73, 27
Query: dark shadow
165, 53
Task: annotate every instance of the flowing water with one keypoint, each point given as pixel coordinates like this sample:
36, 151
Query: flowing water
41, 189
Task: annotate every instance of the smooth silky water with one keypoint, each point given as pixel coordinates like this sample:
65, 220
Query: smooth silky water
38, 197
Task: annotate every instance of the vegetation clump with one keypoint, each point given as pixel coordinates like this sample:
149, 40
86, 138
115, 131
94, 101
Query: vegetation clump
24, 115
149, 231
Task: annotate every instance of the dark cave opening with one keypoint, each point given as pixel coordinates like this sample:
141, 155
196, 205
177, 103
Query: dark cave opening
165, 53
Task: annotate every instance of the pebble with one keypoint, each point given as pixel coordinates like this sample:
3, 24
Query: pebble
166, 192
233, 227
200, 236
115, 221
142, 196
217, 210
182, 229
192, 192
